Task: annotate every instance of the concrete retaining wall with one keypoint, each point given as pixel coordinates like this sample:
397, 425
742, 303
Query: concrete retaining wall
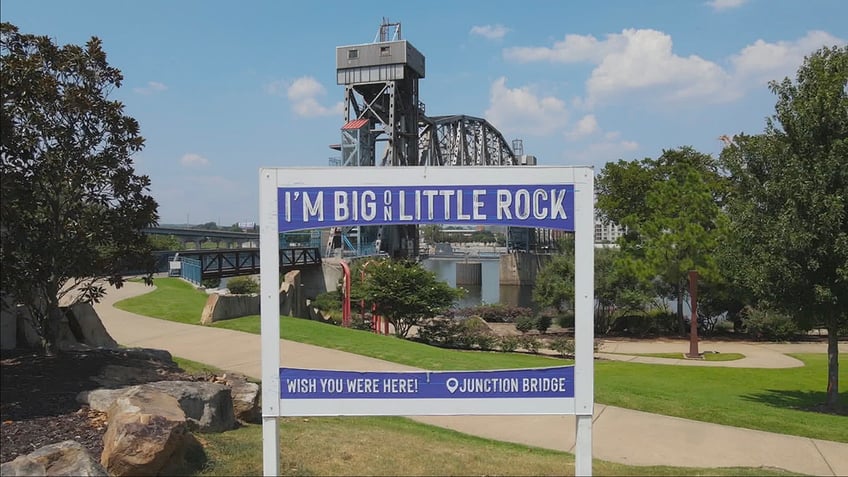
225, 307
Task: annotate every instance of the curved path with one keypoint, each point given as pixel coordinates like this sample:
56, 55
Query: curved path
620, 435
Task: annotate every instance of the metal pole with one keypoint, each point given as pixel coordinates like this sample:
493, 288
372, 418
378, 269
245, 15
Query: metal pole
693, 321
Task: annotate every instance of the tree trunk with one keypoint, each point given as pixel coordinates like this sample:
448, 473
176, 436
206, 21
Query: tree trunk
682, 323
832, 364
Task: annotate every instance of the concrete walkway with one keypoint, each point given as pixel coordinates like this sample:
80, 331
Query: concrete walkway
620, 435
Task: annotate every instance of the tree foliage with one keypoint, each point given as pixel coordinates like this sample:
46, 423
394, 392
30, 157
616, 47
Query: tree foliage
73, 207
672, 210
789, 200
555, 281
404, 293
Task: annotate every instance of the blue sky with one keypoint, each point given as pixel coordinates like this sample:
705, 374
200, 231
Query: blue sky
223, 88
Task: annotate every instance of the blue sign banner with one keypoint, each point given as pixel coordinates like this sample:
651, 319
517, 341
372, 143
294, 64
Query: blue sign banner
555, 382
540, 205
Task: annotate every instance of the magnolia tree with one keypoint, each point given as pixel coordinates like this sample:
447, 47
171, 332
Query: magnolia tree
73, 207
404, 293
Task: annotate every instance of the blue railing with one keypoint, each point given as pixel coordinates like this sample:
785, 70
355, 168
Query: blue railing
191, 270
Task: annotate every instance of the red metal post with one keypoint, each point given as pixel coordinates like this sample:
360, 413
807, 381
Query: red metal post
693, 322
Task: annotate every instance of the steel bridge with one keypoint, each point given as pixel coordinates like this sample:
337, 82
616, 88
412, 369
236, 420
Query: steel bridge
198, 265
382, 109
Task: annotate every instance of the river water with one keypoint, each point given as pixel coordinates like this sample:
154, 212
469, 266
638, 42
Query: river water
490, 291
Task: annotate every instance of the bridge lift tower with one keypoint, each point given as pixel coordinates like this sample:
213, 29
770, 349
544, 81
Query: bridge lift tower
381, 107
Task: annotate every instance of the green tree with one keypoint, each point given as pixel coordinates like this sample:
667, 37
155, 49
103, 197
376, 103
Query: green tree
617, 290
790, 200
555, 281
73, 207
672, 209
164, 242
432, 233
404, 293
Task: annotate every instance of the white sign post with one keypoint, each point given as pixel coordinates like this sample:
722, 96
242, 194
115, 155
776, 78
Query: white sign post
538, 196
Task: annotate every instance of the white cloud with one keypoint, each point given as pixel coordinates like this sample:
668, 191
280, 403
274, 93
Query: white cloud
643, 60
521, 111
573, 49
152, 87
763, 61
631, 60
491, 32
193, 160
721, 5
304, 94
586, 126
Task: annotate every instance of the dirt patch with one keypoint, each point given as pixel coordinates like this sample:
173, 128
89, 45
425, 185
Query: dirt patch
38, 396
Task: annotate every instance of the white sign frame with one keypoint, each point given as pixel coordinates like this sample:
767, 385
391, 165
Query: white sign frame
582, 178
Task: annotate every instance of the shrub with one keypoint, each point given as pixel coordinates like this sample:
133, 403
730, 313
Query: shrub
494, 313
565, 319
243, 285
525, 324
508, 344
543, 322
328, 301
530, 344
487, 342
475, 332
357, 322
210, 282
563, 346
441, 331
770, 325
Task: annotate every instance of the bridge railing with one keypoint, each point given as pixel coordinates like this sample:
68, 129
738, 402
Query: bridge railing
191, 270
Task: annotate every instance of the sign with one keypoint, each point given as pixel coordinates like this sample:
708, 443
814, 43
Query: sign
532, 205
319, 392
533, 196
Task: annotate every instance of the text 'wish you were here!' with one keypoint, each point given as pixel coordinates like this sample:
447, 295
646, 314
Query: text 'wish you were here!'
541, 205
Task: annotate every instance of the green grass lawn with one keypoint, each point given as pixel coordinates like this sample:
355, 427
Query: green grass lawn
775, 400
399, 446
173, 299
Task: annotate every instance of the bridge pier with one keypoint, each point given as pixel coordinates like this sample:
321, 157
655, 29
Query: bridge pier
521, 268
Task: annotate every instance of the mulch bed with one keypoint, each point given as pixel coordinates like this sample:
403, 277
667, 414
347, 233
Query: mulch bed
38, 396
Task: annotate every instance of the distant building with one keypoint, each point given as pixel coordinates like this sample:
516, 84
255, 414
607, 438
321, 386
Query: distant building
607, 234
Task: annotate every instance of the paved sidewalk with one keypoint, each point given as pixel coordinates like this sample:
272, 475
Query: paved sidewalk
620, 435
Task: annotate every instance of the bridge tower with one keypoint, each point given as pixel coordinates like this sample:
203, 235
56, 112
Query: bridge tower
381, 107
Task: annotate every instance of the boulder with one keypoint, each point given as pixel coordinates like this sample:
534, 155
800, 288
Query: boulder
62, 458
146, 434
117, 376
246, 404
208, 407
87, 326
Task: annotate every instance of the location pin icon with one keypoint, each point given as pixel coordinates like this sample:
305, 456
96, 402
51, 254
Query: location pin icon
452, 384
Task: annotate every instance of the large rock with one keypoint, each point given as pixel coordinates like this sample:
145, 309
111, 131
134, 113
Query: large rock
246, 403
117, 376
62, 458
208, 407
146, 434
87, 326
